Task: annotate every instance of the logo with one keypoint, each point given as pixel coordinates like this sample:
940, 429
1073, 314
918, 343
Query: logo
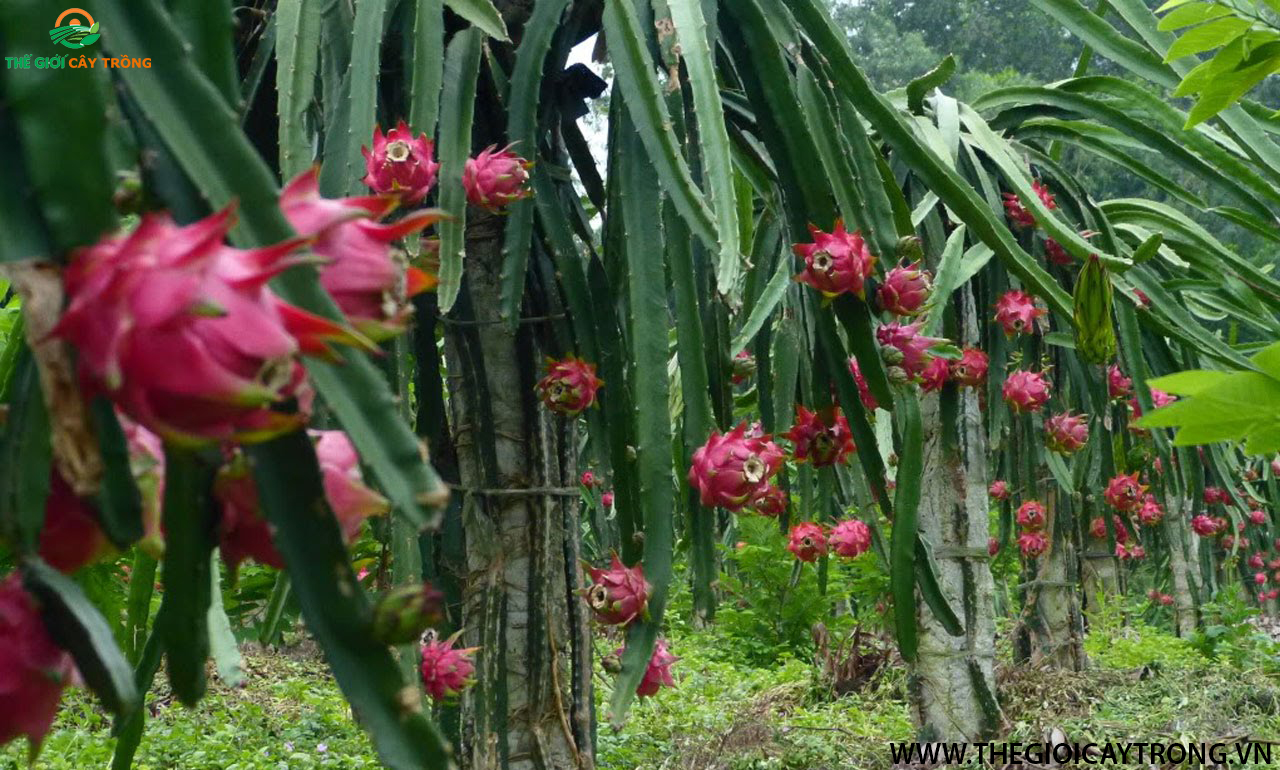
75, 28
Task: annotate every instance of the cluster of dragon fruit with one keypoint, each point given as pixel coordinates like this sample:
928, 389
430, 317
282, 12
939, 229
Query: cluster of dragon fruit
183, 334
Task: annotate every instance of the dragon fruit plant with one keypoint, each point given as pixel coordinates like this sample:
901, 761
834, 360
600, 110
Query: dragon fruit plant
732, 470
836, 263
618, 595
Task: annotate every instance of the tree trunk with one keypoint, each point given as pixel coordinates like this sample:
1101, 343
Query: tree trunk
1184, 605
953, 680
1057, 630
530, 708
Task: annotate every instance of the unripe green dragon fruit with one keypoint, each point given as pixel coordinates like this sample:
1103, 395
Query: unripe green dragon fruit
1095, 334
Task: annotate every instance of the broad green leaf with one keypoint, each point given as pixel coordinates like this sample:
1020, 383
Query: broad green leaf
1207, 37
1188, 383
1191, 14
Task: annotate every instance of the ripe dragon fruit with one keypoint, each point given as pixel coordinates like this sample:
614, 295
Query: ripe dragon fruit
1216, 495
1066, 433
1204, 526
1137, 552
864, 391
993, 546
905, 290
183, 334
1098, 528
569, 386
1158, 399
400, 163
72, 535
446, 670
731, 470
807, 541
496, 178
1151, 513
658, 673
1259, 518
771, 502
1017, 311
33, 670
999, 490
1275, 467
367, 278
606, 499
1025, 391
1124, 493
744, 367
836, 263
243, 530
588, 479
1032, 544
1054, 254
935, 375
823, 440
850, 538
1019, 213
1260, 578
1118, 386
971, 370
619, 594
905, 349
1031, 516
1257, 561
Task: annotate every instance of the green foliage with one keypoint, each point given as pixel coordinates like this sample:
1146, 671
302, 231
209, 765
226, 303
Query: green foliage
1228, 636
1119, 639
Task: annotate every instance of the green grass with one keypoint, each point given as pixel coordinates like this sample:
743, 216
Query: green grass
723, 715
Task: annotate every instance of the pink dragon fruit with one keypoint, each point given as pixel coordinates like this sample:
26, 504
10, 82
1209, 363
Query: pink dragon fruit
864, 391
1229, 541
935, 375
1124, 493
1275, 467
999, 490
183, 334
1066, 433
850, 538
744, 367
1017, 311
1216, 495
1019, 213
1137, 552
400, 163
771, 502
1259, 518
1260, 578
905, 290
244, 532
1025, 391
821, 439
731, 470
1031, 516
446, 670
971, 370
496, 178
1158, 399
33, 669
993, 546
588, 479
72, 535
619, 594
365, 276
569, 386
1118, 386
1257, 561
836, 263
1098, 528
1204, 526
1151, 513
1055, 254
658, 673
1032, 544
807, 541
606, 499
905, 348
